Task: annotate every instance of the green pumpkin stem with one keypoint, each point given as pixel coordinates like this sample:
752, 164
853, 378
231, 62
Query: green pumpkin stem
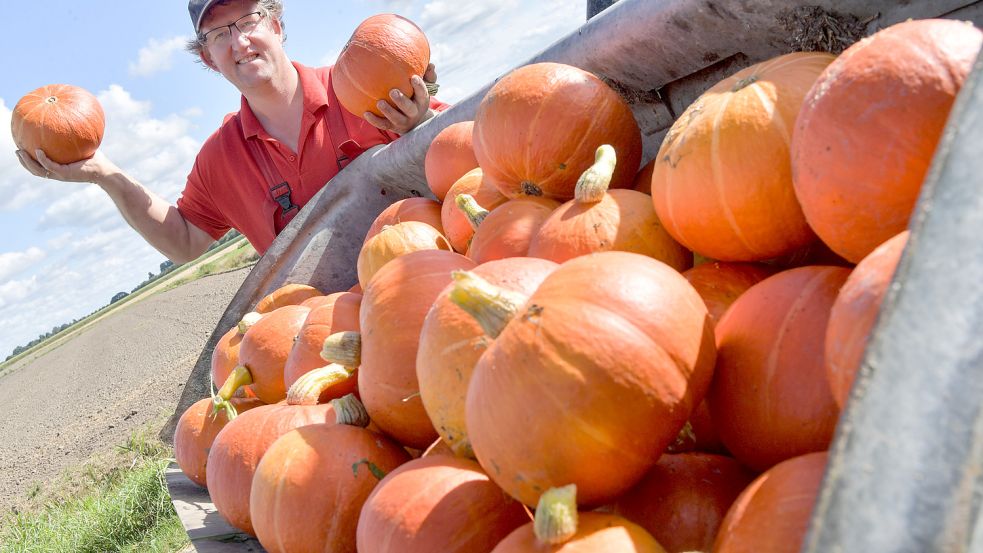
343, 348
248, 320
594, 182
493, 307
349, 410
239, 377
307, 389
556, 515
474, 212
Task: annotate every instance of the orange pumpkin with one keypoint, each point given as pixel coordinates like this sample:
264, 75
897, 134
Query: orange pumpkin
310, 486
395, 303
869, 127
684, 498
451, 341
65, 121
721, 283
457, 227
855, 312
423, 210
722, 181
341, 313
440, 503
449, 157
509, 228
288, 294
382, 54
195, 432
770, 400
599, 220
772, 514
613, 345
438, 447
643, 180
394, 241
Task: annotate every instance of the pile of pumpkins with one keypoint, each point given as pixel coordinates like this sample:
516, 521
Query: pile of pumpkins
564, 353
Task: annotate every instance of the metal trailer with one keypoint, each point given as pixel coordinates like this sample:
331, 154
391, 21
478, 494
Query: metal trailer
905, 467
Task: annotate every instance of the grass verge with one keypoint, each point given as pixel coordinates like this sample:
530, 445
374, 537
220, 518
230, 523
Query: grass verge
115, 504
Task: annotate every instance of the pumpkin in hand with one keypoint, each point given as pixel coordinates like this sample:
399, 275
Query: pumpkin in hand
64, 121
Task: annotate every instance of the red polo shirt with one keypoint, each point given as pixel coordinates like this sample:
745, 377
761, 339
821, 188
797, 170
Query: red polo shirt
227, 187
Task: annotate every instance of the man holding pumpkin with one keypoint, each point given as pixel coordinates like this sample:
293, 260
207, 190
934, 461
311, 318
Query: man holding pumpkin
267, 160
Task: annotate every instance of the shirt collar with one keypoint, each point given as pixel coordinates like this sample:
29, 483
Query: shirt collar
315, 98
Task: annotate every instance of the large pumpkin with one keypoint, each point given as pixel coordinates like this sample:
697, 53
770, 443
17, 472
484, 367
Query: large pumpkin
395, 303
63, 120
195, 432
772, 514
449, 157
855, 312
592, 379
536, 131
382, 54
684, 498
722, 181
439, 503
339, 314
869, 127
394, 241
457, 227
770, 400
424, 210
288, 294
451, 341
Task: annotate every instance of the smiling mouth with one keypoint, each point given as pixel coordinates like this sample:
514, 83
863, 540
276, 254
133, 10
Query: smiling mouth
247, 59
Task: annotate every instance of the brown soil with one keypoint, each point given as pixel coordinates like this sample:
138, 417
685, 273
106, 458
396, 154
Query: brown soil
82, 399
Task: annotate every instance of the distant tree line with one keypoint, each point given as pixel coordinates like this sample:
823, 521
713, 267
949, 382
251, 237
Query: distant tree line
166, 267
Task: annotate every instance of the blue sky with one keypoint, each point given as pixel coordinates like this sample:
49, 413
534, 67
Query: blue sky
64, 249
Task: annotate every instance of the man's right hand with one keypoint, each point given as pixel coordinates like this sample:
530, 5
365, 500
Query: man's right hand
92, 169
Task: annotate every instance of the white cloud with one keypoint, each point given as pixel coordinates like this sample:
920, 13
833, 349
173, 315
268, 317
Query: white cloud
15, 290
156, 56
13, 263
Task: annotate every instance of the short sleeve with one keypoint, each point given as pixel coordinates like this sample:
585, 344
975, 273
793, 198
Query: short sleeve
198, 208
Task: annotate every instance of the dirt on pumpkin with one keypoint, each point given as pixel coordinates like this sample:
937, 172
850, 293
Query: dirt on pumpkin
78, 402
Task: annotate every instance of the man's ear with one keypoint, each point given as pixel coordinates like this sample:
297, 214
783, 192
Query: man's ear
206, 58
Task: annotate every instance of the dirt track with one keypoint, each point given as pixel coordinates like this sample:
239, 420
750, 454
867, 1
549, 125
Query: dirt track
91, 393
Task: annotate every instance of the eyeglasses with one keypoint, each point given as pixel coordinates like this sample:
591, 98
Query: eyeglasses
221, 35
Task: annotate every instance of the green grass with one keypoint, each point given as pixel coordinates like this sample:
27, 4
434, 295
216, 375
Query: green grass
121, 505
240, 256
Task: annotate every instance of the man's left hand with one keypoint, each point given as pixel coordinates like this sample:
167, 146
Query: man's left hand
403, 113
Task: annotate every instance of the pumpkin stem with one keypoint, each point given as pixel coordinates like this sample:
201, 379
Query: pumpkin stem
593, 183
248, 320
343, 348
432, 88
493, 307
239, 377
556, 515
685, 440
307, 389
747, 81
349, 410
474, 212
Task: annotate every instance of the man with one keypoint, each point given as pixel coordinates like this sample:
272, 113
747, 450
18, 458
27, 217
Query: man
266, 161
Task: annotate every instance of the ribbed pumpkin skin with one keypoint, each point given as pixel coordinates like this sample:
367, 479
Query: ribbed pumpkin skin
339, 314
509, 228
772, 514
238, 448
382, 54
449, 157
265, 348
288, 294
592, 380
722, 181
770, 400
457, 228
684, 498
394, 305
869, 127
623, 221
451, 342
855, 312
195, 432
394, 241
721, 283
440, 503
423, 210
596, 533
65, 121
310, 486
538, 127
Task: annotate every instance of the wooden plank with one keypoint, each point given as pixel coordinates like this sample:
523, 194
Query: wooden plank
208, 531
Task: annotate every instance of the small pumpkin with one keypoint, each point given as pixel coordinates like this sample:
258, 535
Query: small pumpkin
536, 130
423, 210
339, 314
643, 180
457, 227
449, 157
225, 354
720, 283
854, 313
382, 54
394, 241
63, 120
507, 230
288, 294
195, 432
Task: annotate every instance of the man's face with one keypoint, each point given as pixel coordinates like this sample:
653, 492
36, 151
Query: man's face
247, 53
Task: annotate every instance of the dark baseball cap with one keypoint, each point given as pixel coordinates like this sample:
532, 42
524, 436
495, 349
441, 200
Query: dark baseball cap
198, 9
